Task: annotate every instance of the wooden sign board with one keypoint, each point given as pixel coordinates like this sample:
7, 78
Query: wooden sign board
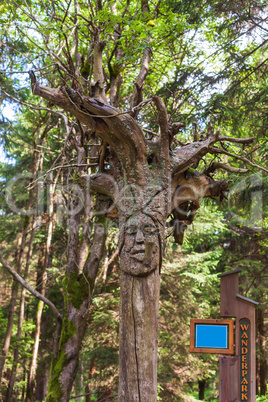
244, 336
212, 336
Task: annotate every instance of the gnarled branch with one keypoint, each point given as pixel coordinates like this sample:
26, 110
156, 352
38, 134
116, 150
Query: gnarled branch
101, 183
137, 96
190, 155
117, 129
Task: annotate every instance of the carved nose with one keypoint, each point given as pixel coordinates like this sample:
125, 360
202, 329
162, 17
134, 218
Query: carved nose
139, 236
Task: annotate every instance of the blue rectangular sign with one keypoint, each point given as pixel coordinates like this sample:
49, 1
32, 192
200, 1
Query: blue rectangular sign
211, 336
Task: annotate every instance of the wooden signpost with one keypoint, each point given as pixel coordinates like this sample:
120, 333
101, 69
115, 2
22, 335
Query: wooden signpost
237, 373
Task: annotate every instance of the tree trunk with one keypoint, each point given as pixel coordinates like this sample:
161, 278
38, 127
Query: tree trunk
36, 161
21, 315
33, 366
141, 236
139, 304
42, 280
12, 305
201, 385
78, 291
87, 393
42, 377
64, 366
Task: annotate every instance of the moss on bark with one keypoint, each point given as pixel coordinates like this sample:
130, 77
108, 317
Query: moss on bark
54, 389
76, 288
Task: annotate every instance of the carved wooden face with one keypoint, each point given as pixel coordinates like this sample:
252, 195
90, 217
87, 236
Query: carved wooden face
141, 250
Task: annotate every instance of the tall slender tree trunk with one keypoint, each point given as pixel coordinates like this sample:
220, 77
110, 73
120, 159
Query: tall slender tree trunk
42, 378
42, 280
21, 315
32, 193
13, 300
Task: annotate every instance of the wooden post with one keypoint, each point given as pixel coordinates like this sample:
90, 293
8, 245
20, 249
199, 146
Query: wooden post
228, 382
238, 373
229, 290
246, 347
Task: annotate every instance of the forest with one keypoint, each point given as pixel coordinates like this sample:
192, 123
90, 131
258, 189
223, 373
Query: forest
133, 171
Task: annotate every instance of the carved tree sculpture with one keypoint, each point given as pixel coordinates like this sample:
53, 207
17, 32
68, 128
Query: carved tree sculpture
145, 182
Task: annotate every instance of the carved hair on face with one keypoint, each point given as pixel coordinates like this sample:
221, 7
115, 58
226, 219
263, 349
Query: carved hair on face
141, 248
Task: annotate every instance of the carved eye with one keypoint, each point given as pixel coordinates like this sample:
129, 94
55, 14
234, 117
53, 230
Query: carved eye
148, 229
131, 230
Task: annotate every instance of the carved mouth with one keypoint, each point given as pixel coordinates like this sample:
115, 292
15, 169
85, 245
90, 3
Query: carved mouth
138, 254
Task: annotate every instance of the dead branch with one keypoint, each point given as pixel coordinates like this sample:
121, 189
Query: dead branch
63, 167
163, 123
224, 166
26, 285
237, 140
215, 150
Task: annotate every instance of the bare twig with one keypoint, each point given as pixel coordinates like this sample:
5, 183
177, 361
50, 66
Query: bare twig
26, 72
32, 105
63, 167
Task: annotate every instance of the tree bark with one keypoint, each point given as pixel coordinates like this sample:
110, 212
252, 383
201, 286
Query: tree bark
42, 378
139, 304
